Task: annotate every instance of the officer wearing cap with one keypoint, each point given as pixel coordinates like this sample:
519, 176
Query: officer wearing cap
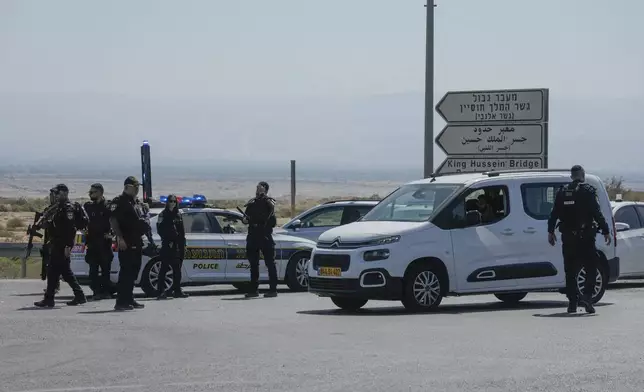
99, 254
576, 208
260, 217
129, 223
60, 220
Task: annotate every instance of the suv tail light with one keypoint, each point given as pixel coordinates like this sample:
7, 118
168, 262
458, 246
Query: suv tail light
114, 246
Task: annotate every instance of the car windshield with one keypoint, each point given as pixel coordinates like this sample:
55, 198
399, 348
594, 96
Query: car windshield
411, 203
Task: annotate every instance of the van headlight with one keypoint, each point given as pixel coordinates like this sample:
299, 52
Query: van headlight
385, 240
375, 255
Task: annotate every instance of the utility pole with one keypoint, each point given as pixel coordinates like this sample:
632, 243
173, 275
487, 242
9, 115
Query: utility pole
429, 91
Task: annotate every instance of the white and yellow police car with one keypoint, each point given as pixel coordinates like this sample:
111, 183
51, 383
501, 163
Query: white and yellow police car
215, 254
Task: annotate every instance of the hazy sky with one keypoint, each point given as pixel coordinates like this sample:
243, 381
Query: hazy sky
337, 81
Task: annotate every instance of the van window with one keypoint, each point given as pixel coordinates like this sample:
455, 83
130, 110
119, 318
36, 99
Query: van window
492, 202
628, 215
411, 203
539, 198
324, 217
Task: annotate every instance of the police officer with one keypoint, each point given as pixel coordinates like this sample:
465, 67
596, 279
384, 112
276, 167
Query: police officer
99, 254
577, 208
44, 250
173, 244
129, 223
260, 217
60, 220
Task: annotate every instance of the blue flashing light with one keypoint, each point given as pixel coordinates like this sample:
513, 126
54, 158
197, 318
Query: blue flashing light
145, 142
186, 200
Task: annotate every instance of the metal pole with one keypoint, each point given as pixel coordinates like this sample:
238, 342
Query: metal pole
23, 268
429, 91
292, 187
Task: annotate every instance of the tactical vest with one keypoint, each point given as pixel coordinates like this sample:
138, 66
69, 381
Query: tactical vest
573, 217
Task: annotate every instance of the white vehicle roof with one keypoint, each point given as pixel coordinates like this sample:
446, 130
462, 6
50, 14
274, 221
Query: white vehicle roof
472, 178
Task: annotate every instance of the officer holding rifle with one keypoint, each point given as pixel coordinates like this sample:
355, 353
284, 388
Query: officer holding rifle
260, 218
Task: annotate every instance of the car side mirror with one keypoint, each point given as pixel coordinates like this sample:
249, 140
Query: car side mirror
473, 218
296, 224
621, 226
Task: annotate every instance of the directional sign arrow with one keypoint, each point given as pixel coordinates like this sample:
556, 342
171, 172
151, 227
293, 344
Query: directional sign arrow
515, 139
494, 106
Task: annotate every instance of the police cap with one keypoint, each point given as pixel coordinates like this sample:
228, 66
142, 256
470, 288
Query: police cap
131, 180
59, 188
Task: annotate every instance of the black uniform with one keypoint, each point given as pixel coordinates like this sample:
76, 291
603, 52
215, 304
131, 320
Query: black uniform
577, 207
260, 212
60, 221
99, 254
133, 223
173, 245
45, 254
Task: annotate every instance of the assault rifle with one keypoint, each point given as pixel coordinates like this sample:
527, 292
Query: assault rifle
32, 231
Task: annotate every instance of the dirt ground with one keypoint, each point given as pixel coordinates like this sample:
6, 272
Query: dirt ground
15, 232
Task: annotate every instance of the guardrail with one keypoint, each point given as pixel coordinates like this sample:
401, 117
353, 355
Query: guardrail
17, 249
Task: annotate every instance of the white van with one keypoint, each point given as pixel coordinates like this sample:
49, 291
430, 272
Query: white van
419, 244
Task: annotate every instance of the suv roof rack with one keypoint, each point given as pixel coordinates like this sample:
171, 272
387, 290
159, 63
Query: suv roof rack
345, 200
494, 173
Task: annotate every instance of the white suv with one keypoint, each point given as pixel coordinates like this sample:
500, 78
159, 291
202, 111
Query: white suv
428, 240
315, 221
629, 222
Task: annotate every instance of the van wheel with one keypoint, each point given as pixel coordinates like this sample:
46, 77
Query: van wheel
351, 304
150, 278
601, 282
510, 298
297, 271
422, 288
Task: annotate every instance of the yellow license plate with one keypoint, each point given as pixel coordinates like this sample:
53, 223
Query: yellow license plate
329, 271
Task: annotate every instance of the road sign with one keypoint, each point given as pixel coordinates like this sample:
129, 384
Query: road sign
513, 139
480, 164
494, 106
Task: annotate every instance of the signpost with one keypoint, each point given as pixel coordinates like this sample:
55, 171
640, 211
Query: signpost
493, 130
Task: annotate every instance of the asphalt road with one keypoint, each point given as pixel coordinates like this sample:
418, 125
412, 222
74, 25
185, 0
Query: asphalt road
213, 341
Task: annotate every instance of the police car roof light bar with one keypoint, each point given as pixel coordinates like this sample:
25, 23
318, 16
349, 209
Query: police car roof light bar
196, 200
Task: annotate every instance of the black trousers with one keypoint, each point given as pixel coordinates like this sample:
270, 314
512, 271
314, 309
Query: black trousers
577, 253
99, 257
267, 246
130, 265
170, 258
59, 265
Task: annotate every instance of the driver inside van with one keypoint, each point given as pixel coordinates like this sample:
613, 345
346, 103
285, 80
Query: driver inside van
487, 211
